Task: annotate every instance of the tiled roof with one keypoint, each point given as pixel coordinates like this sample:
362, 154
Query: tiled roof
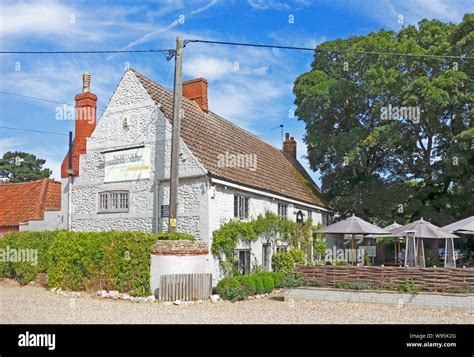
209, 135
21, 202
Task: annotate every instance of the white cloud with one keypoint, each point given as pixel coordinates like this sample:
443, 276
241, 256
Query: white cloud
54, 166
156, 33
166, 7
61, 80
9, 144
387, 12
28, 17
208, 67
268, 5
68, 25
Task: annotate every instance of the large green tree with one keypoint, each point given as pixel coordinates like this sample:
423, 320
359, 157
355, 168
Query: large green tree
22, 167
392, 135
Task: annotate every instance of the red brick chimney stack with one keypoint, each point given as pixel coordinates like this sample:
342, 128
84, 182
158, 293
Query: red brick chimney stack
86, 106
289, 146
196, 89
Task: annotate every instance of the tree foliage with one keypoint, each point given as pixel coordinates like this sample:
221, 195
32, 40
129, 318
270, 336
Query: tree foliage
384, 167
22, 167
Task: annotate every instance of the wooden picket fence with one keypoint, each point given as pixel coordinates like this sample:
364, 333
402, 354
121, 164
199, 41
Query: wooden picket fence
185, 287
432, 279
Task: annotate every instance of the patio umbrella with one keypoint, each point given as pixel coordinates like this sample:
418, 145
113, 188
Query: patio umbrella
464, 226
396, 241
415, 233
353, 225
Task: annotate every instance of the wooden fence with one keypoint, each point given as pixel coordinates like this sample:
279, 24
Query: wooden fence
185, 287
433, 279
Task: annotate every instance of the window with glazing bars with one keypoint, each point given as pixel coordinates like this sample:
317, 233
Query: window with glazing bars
241, 207
113, 201
282, 211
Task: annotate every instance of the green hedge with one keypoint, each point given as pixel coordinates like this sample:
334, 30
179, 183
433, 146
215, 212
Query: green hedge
240, 287
87, 260
285, 261
27, 271
232, 288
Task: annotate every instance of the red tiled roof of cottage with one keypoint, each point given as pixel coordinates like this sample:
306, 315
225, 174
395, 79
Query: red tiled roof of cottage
208, 135
24, 201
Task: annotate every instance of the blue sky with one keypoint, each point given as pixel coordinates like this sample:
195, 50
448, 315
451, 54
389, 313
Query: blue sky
257, 96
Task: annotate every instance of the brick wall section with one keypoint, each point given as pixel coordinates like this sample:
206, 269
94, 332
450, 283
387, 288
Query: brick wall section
86, 107
4, 230
196, 90
180, 247
432, 279
289, 146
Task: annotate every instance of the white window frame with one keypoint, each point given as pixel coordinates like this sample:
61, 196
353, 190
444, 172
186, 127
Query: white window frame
241, 207
246, 265
113, 201
283, 211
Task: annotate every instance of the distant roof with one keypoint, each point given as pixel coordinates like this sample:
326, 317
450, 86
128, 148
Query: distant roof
21, 202
208, 135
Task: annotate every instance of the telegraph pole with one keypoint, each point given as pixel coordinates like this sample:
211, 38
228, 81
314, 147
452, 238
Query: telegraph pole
70, 172
177, 94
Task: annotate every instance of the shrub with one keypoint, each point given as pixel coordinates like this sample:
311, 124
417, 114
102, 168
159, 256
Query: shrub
285, 261
282, 262
239, 287
249, 283
26, 271
82, 260
409, 287
298, 255
362, 285
174, 236
276, 279
268, 284
230, 288
259, 287
342, 285
291, 280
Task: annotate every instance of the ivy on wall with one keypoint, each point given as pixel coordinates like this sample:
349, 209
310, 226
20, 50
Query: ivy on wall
269, 227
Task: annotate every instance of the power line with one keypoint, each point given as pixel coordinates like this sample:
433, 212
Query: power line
42, 99
31, 130
168, 53
84, 52
316, 49
36, 98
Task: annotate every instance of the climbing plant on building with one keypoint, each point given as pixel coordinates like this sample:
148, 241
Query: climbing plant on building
268, 226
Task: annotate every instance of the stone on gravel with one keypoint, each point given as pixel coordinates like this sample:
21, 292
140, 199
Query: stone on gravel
177, 302
114, 294
20, 306
215, 298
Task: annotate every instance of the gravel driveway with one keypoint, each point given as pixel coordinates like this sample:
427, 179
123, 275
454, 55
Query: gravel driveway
34, 304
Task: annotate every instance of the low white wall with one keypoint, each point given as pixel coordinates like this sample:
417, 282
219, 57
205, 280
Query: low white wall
52, 220
176, 264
